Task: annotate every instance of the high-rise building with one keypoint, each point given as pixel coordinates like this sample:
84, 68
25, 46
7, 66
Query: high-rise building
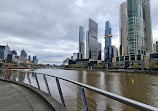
92, 41
123, 29
34, 59
99, 51
155, 47
108, 48
29, 58
23, 54
14, 52
4, 50
81, 43
139, 34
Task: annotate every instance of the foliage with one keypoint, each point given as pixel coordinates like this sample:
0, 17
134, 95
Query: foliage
153, 65
135, 66
98, 67
76, 66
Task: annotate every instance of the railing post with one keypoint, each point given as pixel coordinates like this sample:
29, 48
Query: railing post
14, 79
28, 78
45, 80
60, 92
83, 98
6, 75
37, 81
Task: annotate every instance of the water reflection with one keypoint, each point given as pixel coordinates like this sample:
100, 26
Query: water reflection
144, 88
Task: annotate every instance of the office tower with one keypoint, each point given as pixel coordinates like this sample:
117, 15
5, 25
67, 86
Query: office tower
23, 54
155, 47
87, 43
108, 49
34, 59
114, 52
148, 26
81, 43
14, 52
4, 50
139, 34
99, 51
123, 29
92, 41
29, 58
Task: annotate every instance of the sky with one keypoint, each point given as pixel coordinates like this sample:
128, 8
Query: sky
49, 29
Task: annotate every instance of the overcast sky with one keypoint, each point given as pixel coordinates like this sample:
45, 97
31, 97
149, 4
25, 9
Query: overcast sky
50, 28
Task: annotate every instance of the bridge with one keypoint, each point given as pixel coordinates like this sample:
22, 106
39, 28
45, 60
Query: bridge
20, 96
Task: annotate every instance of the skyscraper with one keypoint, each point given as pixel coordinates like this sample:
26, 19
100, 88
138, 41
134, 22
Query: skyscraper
123, 29
81, 43
139, 34
108, 49
92, 41
23, 54
99, 51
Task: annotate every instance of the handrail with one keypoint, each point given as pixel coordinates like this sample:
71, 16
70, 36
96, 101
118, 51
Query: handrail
129, 102
121, 99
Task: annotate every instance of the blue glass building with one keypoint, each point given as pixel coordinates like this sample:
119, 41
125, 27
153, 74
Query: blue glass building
108, 48
81, 43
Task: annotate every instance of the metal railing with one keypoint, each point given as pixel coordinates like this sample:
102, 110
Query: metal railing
82, 86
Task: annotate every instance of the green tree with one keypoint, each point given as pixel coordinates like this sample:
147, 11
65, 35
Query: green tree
153, 65
98, 67
135, 66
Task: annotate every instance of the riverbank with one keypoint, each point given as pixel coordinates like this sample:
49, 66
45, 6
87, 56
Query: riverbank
116, 70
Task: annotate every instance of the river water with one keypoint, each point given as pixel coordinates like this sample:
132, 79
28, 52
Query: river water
144, 88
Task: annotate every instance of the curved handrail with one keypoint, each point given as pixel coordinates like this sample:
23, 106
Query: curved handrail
121, 99
127, 101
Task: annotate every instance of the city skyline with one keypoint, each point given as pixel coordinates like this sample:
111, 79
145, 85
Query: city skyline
58, 41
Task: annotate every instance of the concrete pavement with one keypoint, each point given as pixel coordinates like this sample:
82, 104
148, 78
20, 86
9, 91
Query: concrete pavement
14, 97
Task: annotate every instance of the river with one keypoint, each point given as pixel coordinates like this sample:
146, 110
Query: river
143, 89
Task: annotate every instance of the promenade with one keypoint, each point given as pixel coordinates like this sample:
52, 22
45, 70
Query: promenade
17, 97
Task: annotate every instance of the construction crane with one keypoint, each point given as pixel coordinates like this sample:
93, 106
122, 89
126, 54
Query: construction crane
109, 35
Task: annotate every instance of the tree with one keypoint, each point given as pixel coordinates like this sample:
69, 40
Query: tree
153, 65
135, 66
98, 67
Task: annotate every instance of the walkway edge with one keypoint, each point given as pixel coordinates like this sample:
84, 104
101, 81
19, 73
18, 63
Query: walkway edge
46, 98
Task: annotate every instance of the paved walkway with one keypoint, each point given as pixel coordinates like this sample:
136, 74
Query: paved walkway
14, 97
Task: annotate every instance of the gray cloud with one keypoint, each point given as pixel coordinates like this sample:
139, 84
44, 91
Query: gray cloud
49, 28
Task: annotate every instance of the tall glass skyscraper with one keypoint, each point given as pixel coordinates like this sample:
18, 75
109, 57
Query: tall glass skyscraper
139, 34
108, 48
92, 41
123, 29
81, 43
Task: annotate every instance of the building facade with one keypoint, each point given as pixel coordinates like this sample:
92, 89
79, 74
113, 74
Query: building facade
23, 54
139, 34
108, 48
123, 29
4, 50
99, 51
92, 41
81, 43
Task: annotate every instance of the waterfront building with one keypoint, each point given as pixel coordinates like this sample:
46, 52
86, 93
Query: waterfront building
4, 50
81, 43
75, 56
14, 52
34, 59
92, 41
29, 58
123, 29
108, 48
99, 51
156, 46
23, 54
139, 34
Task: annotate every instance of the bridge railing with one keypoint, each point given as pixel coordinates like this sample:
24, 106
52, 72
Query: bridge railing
82, 87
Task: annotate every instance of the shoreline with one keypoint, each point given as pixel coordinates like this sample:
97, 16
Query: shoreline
115, 70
